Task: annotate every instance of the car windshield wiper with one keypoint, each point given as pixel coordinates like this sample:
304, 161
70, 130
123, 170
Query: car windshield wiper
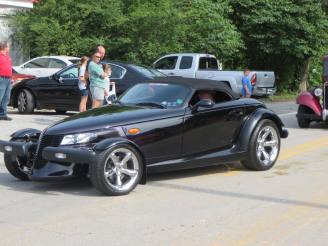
151, 104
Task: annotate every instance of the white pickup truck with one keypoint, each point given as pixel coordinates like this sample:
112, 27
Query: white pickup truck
206, 66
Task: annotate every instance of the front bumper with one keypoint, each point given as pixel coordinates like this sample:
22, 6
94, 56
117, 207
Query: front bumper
17, 148
60, 162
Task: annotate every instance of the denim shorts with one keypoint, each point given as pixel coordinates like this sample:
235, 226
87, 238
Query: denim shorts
97, 93
84, 92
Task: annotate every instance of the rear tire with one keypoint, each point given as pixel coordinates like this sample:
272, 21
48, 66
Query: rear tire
25, 102
264, 147
117, 171
302, 122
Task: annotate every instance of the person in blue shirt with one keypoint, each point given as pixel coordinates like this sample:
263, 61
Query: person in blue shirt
247, 88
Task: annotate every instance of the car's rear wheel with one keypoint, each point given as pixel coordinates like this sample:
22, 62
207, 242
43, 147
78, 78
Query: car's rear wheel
17, 166
301, 120
25, 102
264, 147
118, 170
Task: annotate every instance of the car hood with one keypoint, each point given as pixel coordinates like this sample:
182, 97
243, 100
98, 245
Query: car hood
109, 116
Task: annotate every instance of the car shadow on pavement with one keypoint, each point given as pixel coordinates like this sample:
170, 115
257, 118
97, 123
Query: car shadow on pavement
83, 186
78, 186
196, 172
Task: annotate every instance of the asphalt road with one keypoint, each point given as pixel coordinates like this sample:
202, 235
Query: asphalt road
222, 205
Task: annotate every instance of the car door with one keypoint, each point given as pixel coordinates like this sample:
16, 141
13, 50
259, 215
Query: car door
187, 67
209, 129
67, 90
37, 67
58, 91
167, 65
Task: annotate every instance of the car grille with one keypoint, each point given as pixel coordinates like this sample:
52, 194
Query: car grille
45, 141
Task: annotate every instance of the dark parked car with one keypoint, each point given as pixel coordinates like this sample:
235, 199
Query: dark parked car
156, 126
61, 93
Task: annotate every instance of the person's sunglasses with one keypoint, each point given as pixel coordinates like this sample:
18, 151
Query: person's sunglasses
98, 57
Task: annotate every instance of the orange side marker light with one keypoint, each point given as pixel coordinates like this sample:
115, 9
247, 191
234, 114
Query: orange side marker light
134, 131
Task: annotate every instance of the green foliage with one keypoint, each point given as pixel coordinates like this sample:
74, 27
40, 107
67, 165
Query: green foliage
280, 35
138, 31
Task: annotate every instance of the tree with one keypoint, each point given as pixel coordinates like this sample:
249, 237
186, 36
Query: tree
138, 31
283, 35
67, 27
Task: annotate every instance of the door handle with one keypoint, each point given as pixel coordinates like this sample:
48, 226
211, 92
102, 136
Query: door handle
171, 74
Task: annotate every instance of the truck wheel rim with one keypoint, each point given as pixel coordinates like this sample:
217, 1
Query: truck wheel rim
267, 146
121, 169
22, 101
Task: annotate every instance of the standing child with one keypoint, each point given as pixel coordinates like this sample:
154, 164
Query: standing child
108, 70
83, 84
246, 90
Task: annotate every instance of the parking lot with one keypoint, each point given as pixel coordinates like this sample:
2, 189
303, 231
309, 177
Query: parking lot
220, 205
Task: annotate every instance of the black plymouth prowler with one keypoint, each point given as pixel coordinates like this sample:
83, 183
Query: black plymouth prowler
161, 125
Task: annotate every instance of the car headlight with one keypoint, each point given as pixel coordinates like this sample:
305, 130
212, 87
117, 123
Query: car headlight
78, 138
318, 92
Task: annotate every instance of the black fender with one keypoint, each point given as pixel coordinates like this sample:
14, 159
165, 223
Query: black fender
26, 133
111, 142
251, 123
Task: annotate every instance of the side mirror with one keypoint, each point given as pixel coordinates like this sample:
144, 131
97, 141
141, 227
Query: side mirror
57, 78
204, 103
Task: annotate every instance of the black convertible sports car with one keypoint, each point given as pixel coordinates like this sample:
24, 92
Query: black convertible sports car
165, 124
61, 93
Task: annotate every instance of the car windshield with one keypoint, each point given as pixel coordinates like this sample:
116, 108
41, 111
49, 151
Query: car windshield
159, 95
148, 72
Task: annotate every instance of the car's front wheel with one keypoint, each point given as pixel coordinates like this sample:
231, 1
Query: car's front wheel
17, 166
301, 120
264, 147
117, 171
25, 102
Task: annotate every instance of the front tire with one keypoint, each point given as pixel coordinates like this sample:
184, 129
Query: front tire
302, 122
117, 171
264, 147
25, 102
15, 166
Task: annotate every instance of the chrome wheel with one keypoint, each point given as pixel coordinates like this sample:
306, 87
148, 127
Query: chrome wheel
22, 101
267, 148
121, 169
